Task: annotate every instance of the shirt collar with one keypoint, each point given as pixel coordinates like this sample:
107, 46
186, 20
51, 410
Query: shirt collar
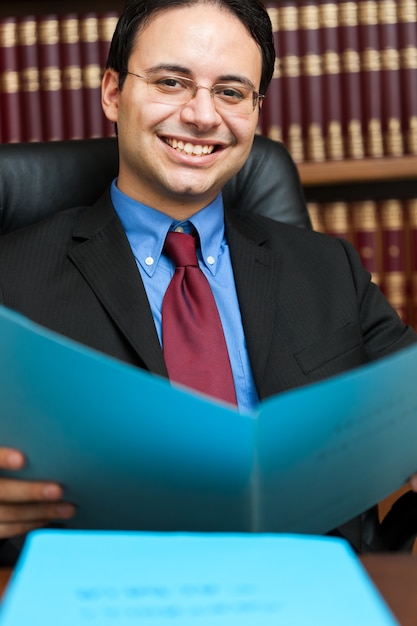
146, 229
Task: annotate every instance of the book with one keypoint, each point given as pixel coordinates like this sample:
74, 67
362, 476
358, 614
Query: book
367, 236
394, 257
106, 25
10, 114
370, 56
272, 109
407, 35
353, 129
332, 79
50, 78
92, 73
71, 578
28, 62
135, 452
311, 80
316, 216
72, 77
337, 220
390, 77
292, 98
411, 208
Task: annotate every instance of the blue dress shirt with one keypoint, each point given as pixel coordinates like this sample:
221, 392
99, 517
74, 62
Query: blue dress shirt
146, 229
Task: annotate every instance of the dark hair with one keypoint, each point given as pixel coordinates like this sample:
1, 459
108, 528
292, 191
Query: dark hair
137, 14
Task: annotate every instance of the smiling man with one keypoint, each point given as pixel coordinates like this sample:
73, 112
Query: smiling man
256, 307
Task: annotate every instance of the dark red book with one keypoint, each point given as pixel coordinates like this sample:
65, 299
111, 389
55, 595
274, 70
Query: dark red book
50, 78
10, 110
311, 80
332, 79
390, 74
353, 129
337, 220
394, 255
315, 212
369, 44
72, 83
411, 208
367, 236
407, 34
106, 25
272, 108
92, 74
292, 96
30, 98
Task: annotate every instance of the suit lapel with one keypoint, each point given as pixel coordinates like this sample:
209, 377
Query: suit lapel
102, 254
256, 271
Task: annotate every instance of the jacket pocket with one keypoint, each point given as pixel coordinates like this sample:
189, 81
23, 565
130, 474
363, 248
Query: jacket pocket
337, 344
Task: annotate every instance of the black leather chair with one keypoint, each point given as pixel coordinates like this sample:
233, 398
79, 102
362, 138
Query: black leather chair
40, 178
37, 179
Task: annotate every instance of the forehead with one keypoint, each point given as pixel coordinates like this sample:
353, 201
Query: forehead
202, 38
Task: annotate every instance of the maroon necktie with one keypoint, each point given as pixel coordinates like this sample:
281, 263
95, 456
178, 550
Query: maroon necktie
194, 346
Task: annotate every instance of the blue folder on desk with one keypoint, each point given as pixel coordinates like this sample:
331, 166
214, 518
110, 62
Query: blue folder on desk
133, 452
76, 578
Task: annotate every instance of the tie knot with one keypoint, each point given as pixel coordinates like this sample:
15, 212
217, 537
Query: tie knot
181, 248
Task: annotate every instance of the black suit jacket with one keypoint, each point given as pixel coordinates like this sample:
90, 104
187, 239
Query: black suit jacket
308, 307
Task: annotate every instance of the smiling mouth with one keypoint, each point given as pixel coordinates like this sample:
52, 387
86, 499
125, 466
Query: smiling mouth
190, 148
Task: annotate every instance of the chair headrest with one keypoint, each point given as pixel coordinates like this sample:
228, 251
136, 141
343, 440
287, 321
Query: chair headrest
37, 179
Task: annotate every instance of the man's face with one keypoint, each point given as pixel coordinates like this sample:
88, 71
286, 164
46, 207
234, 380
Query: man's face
209, 45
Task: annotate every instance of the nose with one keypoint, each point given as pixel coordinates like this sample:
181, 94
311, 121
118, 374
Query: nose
201, 111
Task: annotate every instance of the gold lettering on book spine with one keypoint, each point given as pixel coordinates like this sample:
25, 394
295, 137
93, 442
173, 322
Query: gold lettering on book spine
408, 58
91, 76
8, 35
348, 14
351, 61
394, 138
374, 141
288, 18
29, 80
291, 66
107, 26
334, 141
407, 11
390, 59
309, 17
9, 82
48, 32
277, 68
331, 62
295, 142
26, 33
70, 33
368, 13
371, 60
312, 65
89, 30
387, 12
412, 135
72, 78
50, 79
354, 140
315, 143
329, 15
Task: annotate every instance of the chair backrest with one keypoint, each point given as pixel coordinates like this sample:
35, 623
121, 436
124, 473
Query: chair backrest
37, 179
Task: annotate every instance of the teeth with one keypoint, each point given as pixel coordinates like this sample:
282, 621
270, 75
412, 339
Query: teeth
190, 148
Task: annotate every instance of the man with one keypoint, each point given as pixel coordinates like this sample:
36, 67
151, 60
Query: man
184, 85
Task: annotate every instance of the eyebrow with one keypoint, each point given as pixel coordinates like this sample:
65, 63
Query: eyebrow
179, 69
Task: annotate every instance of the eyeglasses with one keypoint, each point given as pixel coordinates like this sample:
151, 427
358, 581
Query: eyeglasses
232, 98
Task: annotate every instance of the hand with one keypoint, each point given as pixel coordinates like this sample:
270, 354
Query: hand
413, 482
27, 505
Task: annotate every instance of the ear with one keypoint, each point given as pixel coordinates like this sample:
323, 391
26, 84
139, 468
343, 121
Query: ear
110, 94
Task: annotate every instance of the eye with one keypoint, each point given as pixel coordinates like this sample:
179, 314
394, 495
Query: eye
231, 94
171, 83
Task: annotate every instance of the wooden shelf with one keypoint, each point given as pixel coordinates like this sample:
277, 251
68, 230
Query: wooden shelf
358, 170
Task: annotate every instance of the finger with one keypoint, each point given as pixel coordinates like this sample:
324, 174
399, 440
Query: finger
33, 512
11, 459
11, 530
12, 490
413, 482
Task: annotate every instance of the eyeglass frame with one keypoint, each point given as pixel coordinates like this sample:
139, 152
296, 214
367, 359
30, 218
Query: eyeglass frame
256, 97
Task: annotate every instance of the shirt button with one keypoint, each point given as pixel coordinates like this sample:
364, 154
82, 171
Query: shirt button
179, 229
211, 260
149, 260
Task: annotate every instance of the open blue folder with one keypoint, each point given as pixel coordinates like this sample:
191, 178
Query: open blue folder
133, 452
77, 578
